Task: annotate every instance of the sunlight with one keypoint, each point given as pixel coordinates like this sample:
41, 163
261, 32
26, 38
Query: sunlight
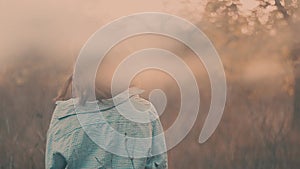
248, 5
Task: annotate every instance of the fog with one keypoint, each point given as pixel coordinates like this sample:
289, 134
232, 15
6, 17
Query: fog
40, 41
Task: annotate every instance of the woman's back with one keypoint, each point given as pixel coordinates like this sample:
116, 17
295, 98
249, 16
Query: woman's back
86, 137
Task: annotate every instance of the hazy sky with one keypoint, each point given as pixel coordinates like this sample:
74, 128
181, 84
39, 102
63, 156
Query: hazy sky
64, 25
59, 24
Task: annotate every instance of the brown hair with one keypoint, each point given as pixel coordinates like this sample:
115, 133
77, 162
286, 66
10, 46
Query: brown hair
63, 93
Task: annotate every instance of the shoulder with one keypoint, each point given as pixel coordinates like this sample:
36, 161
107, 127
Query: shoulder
144, 105
140, 103
64, 108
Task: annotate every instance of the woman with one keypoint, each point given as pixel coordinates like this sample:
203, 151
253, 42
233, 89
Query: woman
70, 144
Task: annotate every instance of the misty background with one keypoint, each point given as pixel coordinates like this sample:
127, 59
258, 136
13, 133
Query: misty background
257, 40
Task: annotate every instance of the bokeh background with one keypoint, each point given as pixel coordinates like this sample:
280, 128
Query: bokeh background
258, 41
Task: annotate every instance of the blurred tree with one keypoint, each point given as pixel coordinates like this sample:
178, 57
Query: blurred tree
247, 30
270, 25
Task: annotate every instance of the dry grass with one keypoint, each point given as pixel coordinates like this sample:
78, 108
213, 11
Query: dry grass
255, 131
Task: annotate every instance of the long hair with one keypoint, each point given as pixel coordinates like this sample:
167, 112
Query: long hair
63, 93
